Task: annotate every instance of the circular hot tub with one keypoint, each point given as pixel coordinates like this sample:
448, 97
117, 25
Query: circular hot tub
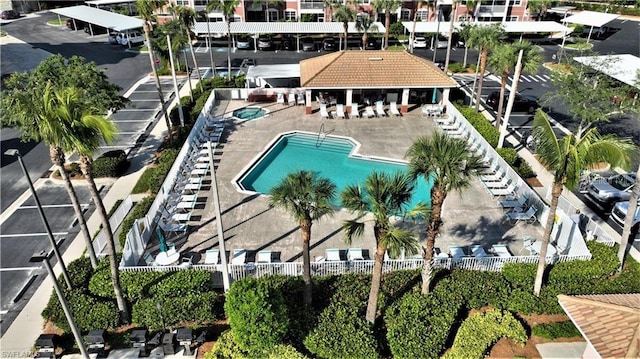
249, 113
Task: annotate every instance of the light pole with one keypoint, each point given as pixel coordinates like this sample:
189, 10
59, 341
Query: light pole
175, 82
56, 251
42, 257
216, 200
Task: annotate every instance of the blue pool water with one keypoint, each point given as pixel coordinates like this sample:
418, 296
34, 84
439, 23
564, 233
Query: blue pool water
327, 156
249, 113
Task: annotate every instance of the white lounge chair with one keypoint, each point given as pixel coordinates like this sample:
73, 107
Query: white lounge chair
493, 177
291, 100
172, 227
340, 111
323, 111
497, 192
301, 99
355, 254
501, 250
380, 109
503, 183
280, 98
393, 108
212, 256
354, 111
239, 256
368, 113
456, 253
527, 244
529, 215
264, 257
478, 251
332, 254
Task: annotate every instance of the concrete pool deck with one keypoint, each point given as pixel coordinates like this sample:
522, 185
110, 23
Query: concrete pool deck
470, 218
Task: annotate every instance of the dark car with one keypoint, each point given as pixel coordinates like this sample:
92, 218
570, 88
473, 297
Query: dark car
287, 44
329, 44
265, 43
308, 44
9, 15
372, 44
521, 103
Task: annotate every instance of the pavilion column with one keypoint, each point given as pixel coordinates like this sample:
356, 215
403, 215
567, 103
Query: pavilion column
404, 104
307, 102
349, 100
445, 97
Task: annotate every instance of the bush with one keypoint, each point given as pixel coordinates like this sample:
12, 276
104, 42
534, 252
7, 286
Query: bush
456, 67
481, 124
80, 272
257, 314
524, 170
111, 164
226, 348
396, 29
479, 332
342, 333
510, 155
139, 211
152, 178
556, 330
193, 308
520, 275
480, 288
89, 312
578, 277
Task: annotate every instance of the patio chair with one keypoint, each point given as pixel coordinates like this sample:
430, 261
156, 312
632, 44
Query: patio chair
456, 253
529, 215
368, 113
501, 250
264, 257
514, 203
478, 251
171, 251
503, 183
323, 111
493, 177
354, 111
149, 260
239, 256
280, 98
332, 254
301, 99
186, 261
527, 244
497, 192
174, 228
393, 108
340, 111
355, 254
291, 100
212, 256
380, 109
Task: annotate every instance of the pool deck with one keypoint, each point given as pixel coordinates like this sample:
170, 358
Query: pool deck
472, 217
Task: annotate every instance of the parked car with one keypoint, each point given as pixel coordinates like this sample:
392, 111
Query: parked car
9, 15
420, 42
605, 192
522, 103
442, 42
329, 44
372, 44
265, 43
247, 62
79, 24
135, 38
244, 42
112, 38
308, 44
619, 214
287, 44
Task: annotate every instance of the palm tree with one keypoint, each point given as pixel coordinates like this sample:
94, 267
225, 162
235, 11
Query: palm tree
307, 198
344, 14
145, 10
384, 196
364, 25
386, 6
454, 6
419, 4
88, 132
566, 158
228, 9
187, 17
504, 59
484, 39
211, 6
448, 163
628, 222
464, 33
331, 4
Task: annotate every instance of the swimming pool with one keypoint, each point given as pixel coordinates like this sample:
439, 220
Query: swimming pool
332, 157
249, 113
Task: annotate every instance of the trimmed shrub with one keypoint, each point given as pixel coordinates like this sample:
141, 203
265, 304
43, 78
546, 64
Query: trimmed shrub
556, 330
456, 67
524, 169
111, 164
418, 325
396, 284
257, 314
479, 332
226, 348
520, 275
80, 272
510, 155
480, 288
153, 177
142, 185
522, 300
139, 211
396, 29
579, 277
342, 333
89, 313
193, 308
481, 124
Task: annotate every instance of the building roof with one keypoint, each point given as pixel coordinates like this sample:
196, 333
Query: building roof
106, 19
509, 26
371, 69
609, 322
591, 18
624, 68
273, 71
280, 28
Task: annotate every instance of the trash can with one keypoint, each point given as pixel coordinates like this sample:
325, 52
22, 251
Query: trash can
139, 340
95, 341
169, 343
46, 346
185, 339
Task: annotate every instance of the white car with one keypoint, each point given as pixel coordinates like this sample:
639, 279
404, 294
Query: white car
134, 37
419, 42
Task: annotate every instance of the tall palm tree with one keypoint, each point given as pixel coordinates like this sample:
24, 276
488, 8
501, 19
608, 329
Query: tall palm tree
211, 6
228, 9
419, 5
344, 14
464, 33
365, 25
187, 17
88, 132
454, 6
307, 198
628, 222
145, 10
503, 60
383, 196
485, 39
448, 163
331, 4
386, 6
566, 158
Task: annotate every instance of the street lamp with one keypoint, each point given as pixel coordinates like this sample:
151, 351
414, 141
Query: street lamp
175, 81
56, 251
164, 330
43, 257
216, 200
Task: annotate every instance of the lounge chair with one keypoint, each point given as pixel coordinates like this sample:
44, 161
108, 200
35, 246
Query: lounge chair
529, 215
291, 100
280, 98
212, 256
323, 111
493, 177
368, 113
478, 251
333, 254
354, 111
239, 256
340, 111
519, 203
264, 257
501, 250
497, 192
301, 99
149, 260
355, 254
456, 253
380, 109
172, 227
503, 183
393, 108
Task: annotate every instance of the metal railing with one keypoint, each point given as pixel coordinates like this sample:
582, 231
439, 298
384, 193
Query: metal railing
100, 242
594, 230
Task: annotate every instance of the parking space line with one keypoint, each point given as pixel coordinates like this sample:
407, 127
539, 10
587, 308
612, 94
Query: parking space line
541, 78
20, 235
54, 206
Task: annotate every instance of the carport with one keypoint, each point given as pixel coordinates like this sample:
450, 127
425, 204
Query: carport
624, 68
521, 27
296, 28
106, 19
592, 19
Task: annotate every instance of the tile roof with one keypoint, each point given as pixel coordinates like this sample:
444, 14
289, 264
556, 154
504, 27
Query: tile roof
609, 322
371, 69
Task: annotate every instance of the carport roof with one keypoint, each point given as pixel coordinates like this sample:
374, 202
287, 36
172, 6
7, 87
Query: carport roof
509, 26
371, 69
624, 68
591, 18
106, 19
107, 2
279, 28
274, 71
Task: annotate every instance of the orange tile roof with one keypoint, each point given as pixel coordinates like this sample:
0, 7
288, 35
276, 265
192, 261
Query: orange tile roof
371, 69
610, 322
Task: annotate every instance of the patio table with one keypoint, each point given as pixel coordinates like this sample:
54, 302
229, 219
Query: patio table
165, 259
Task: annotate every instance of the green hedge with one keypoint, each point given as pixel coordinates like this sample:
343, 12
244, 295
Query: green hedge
111, 164
152, 178
481, 124
226, 348
510, 155
192, 308
139, 211
556, 330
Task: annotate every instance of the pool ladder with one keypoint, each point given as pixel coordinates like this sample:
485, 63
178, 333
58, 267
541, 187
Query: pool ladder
321, 136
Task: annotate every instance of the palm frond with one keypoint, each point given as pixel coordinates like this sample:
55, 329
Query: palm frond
352, 229
399, 239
